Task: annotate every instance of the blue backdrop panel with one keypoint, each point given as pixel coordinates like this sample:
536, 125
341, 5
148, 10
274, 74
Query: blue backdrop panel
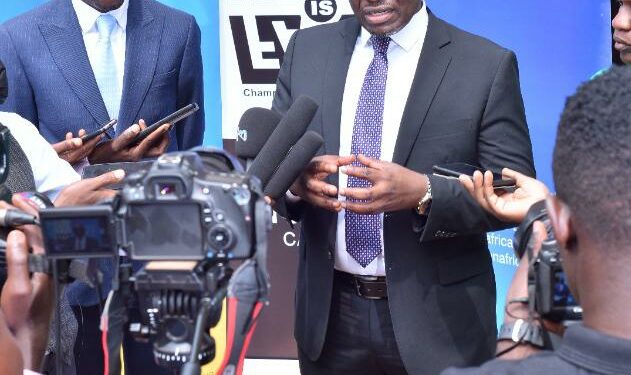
558, 46
207, 15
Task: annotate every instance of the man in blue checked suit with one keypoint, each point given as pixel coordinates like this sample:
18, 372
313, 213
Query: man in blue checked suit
76, 64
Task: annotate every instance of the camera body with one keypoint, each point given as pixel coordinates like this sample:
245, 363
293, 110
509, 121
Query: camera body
548, 293
178, 210
188, 215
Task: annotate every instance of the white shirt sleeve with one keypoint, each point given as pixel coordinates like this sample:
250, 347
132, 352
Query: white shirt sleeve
51, 173
29, 372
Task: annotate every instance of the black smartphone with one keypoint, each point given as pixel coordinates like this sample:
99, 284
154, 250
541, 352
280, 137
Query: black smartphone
101, 130
454, 170
172, 119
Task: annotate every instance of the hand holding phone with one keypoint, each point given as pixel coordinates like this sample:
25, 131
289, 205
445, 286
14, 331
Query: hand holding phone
508, 206
171, 119
101, 130
74, 149
455, 170
123, 149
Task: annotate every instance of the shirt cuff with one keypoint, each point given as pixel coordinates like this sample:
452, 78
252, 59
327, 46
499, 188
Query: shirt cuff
29, 372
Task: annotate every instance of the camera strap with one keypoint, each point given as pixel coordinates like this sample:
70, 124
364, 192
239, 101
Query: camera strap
536, 212
112, 326
248, 293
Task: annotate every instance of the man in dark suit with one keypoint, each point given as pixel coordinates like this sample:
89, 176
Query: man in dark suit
395, 275
76, 64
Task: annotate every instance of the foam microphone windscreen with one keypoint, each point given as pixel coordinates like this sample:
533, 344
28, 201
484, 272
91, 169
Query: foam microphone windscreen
255, 127
296, 161
293, 125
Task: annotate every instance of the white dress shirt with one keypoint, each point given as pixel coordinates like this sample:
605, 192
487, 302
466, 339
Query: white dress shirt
403, 56
87, 20
51, 173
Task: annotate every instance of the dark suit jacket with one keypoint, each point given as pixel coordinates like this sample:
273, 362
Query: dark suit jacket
465, 105
52, 83
53, 86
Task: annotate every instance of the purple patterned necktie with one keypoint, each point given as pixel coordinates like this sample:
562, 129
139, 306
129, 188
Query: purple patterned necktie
363, 232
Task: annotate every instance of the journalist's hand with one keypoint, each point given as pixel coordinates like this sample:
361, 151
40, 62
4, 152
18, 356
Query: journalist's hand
33, 232
10, 354
89, 191
393, 187
27, 302
122, 148
518, 290
311, 186
509, 207
73, 150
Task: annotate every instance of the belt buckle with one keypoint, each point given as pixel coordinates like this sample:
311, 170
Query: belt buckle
358, 286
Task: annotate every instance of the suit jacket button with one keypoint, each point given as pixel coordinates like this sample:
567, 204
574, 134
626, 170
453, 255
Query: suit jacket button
330, 254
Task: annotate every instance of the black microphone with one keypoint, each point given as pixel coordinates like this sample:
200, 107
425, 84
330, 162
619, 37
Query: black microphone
286, 134
15, 218
297, 159
255, 127
5, 193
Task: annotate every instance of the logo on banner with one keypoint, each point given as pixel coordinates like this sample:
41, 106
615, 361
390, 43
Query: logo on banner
272, 31
320, 10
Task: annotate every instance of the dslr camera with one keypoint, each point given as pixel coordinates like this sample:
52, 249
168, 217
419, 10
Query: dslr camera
548, 293
171, 230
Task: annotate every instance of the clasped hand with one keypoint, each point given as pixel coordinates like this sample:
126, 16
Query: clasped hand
392, 187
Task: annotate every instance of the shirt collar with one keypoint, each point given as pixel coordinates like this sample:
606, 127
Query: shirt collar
87, 15
409, 35
596, 351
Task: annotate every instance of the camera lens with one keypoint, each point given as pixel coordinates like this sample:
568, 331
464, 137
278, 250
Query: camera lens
220, 237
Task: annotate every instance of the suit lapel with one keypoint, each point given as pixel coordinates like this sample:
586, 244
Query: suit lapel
65, 41
432, 66
143, 44
334, 81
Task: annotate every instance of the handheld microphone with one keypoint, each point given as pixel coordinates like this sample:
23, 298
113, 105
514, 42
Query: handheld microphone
15, 218
255, 127
297, 159
286, 134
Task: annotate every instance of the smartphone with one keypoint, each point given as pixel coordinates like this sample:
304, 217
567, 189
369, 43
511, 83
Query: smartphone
173, 118
454, 170
102, 129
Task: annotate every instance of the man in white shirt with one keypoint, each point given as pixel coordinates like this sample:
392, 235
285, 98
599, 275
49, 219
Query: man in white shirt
51, 173
390, 255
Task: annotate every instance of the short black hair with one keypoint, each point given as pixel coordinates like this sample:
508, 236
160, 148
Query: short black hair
592, 157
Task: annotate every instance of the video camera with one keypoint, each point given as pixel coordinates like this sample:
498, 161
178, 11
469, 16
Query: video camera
548, 293
188, 216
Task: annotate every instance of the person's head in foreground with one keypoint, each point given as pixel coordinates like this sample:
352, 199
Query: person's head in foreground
591, 213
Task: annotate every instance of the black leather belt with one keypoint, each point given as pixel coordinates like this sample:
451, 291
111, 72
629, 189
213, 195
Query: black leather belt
369, 287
